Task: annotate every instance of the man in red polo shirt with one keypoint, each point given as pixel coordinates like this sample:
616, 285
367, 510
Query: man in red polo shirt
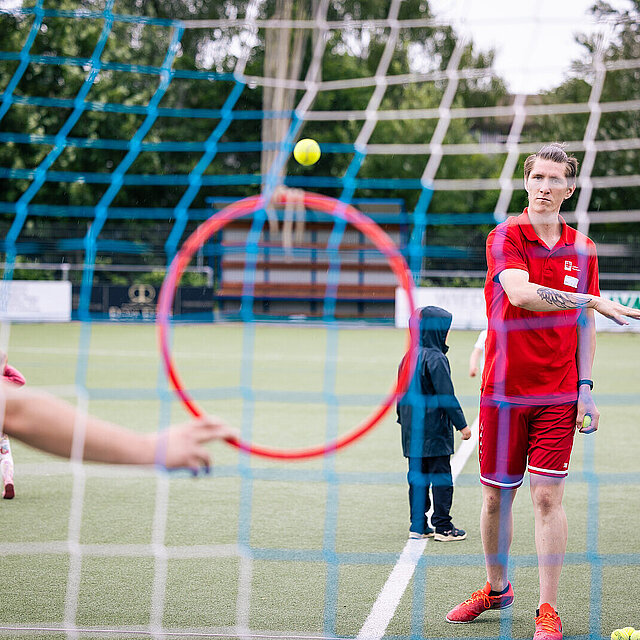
541, 290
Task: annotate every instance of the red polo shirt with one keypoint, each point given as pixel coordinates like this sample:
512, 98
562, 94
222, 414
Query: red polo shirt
531, 356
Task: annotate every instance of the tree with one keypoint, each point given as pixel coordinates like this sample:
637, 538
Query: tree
99, 140
618, 127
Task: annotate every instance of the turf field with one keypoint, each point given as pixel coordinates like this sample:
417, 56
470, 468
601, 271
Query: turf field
282, 548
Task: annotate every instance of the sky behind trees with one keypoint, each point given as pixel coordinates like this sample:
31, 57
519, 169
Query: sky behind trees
534, 40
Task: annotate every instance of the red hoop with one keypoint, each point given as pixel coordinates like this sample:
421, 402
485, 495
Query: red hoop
247, 206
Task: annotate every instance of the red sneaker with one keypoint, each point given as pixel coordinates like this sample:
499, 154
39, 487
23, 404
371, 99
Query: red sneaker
548, 624
9, 491
479, 602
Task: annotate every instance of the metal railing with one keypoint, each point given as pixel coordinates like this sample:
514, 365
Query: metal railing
66, 267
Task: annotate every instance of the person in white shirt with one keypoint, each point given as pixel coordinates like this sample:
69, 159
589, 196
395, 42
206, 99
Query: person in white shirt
476, 359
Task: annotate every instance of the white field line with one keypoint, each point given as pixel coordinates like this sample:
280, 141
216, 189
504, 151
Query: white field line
387, 602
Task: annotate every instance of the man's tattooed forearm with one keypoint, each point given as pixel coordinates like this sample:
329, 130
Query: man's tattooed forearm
563, 300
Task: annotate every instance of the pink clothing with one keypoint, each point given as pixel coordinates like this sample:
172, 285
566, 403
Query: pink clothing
13, 375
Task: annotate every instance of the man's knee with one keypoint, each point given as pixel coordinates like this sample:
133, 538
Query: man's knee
494, 500
547, 497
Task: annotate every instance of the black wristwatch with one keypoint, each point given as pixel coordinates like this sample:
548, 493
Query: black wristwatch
585, 381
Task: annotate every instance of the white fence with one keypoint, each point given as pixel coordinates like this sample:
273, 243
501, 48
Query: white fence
468, 307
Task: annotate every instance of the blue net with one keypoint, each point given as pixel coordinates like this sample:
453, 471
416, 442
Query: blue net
264, 549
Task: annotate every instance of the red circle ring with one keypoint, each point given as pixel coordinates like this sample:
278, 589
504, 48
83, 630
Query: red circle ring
315, 202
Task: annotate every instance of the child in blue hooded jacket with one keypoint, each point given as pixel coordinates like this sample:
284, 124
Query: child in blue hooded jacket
426, 413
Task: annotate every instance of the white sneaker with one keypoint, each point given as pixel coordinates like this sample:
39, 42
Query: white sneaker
451, 535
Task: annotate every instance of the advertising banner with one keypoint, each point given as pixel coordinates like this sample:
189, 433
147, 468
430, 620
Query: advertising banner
138, 301
468, 307
35, 301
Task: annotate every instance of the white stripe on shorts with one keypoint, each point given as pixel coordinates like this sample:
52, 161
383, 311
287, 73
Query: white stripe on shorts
550, 471
504, 485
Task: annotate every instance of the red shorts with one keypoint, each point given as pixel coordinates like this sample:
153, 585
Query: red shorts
515, 437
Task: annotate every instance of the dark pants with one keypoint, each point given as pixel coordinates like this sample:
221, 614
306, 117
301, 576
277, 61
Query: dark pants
432, 472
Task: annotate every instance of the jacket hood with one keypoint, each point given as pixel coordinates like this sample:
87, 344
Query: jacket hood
435, 322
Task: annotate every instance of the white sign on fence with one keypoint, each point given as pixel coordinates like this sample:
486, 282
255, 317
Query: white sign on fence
468, 307
35, 301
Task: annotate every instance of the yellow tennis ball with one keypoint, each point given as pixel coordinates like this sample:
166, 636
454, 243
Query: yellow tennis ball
586, 423
622, 634
307, 152
629, 631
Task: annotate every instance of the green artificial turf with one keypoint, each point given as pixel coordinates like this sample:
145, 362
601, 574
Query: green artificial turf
291, 548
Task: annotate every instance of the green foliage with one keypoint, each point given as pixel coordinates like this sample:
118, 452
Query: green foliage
349, 53
620, 85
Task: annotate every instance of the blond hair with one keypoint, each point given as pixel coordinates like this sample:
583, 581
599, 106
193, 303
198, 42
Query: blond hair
556, 153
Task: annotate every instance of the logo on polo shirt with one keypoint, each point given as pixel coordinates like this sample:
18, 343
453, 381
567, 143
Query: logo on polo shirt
569, 280
569, 266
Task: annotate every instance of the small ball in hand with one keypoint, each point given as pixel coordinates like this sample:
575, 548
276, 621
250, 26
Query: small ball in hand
586, 424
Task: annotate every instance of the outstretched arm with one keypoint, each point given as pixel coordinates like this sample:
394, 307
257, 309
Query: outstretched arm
535, 297
48, 423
